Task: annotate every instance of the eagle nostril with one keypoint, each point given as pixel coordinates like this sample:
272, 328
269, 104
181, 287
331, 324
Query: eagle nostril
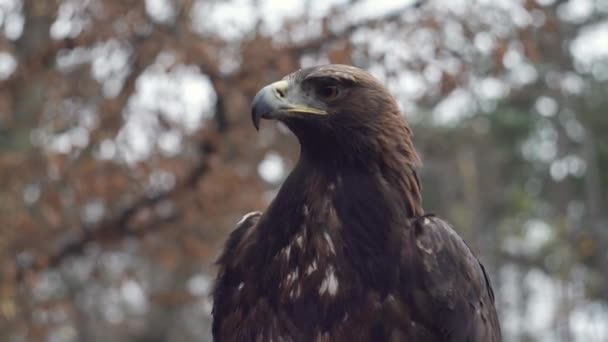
279, 92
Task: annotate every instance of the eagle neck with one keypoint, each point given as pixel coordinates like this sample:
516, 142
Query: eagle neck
341, 216
389, 170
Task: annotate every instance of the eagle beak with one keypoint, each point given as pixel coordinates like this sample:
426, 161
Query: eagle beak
273, 102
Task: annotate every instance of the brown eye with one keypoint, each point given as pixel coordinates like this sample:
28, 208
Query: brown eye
328, 93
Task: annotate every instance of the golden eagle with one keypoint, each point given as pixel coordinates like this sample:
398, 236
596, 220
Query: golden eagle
345, 251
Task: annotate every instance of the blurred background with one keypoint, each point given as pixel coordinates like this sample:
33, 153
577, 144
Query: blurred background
127, 152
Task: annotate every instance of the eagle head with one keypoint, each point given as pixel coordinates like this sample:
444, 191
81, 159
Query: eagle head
338, 112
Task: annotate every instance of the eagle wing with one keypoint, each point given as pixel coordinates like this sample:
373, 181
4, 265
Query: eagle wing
227, 276
239, 314
453, 294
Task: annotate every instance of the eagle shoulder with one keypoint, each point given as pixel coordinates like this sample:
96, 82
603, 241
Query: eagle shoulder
241, 231
455, 283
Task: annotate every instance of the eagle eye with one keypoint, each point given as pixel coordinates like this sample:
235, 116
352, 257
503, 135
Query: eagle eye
328, 92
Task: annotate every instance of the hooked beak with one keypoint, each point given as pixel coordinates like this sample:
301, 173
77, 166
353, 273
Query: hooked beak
274, 102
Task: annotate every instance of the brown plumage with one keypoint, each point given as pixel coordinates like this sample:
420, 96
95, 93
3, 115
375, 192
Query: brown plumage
345, 251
